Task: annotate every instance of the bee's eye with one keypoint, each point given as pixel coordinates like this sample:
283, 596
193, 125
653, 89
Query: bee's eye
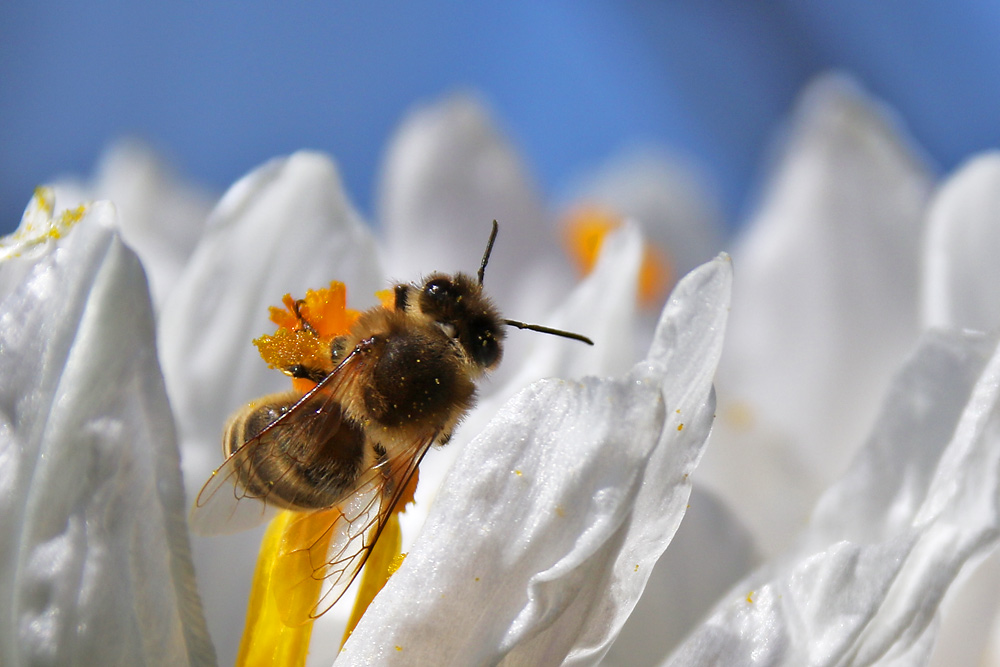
440, 289
486, 349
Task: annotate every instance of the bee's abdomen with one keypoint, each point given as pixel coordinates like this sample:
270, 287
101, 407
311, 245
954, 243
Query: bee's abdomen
295, 468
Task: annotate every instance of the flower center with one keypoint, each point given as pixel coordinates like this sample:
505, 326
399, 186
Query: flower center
584, 231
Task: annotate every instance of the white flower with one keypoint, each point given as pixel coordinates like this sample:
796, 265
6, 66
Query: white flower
245, 261
561, 495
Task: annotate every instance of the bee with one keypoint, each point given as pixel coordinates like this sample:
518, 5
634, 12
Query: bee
398, 382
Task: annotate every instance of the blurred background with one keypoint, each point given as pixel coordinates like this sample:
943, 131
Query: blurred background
218, 88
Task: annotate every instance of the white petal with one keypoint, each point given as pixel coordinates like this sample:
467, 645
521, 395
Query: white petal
968, 618
961, 273
825, 309
284, 228
447, 175
94, 558
919, 503
546, 530
601, 307
711, 552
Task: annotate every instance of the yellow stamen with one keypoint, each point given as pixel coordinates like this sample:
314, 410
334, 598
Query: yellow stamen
267, 638
584, 232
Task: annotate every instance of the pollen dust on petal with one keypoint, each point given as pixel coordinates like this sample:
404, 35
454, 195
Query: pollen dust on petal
38, 225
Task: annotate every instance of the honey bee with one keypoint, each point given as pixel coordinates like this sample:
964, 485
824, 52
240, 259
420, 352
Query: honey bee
398, 382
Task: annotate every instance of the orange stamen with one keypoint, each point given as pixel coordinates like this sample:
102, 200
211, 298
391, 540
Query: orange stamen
583, 234
326, 310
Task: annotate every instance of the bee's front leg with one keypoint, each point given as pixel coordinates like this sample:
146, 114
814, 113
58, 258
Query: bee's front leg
316, 375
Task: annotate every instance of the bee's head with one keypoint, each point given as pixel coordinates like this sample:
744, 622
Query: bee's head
456, 303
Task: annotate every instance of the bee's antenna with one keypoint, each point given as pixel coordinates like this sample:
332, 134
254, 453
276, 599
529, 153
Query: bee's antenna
489, 249
555, 332
514, 323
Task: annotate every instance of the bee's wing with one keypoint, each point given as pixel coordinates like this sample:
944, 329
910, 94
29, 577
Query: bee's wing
224, 505
352, 533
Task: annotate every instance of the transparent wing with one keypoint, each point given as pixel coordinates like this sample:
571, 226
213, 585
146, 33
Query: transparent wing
338, 550
236, 496
222, 508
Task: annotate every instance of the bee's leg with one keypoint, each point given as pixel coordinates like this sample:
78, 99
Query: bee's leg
317, 375
382, 463
402, 293
296, 307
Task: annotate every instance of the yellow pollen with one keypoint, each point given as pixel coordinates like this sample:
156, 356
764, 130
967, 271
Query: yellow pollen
38, 227
44, 199
71, 217
387, 298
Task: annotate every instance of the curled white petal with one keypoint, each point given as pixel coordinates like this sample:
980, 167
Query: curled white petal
916, 507
666, 196
161, 216
94, 556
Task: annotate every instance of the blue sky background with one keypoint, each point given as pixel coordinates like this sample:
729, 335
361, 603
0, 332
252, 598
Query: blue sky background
220, 87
